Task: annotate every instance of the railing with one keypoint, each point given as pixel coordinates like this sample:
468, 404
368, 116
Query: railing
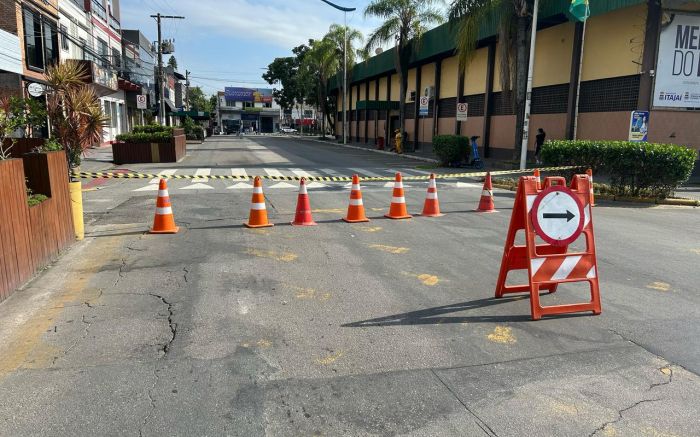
99, 10
114, 23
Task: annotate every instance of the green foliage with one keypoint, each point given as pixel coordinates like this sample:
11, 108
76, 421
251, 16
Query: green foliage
188, 124
35, 199
198, 102
153, 128
18, 114
634, 169
51, 145
451, 148
172, 62
146, 137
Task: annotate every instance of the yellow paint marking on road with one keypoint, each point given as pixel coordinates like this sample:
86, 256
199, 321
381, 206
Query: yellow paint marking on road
666, 371
271, 254
310, 293
330, 359
609, 430
563, 407
503, 335
371, 229
329, 211
264, 343
425, 278
390, 249
660, 286
27, 349
695, 251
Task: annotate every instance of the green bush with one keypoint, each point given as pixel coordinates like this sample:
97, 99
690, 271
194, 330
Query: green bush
153, 128
35, 199
451, 148
634, 169
146, 137
51, 145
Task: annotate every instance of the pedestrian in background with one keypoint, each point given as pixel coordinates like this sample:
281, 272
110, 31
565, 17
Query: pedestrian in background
539, 141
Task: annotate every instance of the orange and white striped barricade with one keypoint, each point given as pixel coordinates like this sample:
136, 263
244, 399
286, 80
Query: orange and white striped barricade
558, 215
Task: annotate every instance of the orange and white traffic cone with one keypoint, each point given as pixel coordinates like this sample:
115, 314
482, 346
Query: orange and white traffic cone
164, 221
536, 174
356, 209
591, 199
397, 210
303, 214
431, 208
486, 201
258, 212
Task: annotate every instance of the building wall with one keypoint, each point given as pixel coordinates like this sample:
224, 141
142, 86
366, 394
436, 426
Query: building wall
449, 78
475, 73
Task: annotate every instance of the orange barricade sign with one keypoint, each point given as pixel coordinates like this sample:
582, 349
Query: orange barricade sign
558, 215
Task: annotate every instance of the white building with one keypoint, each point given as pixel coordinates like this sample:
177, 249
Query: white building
249, 109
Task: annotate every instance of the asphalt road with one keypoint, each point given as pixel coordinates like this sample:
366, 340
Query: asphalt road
380, 328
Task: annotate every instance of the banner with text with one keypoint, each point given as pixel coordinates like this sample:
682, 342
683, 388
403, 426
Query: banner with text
678, 66
256, 95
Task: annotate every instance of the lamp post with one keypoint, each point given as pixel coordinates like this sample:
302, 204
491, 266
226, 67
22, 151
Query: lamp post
345, 64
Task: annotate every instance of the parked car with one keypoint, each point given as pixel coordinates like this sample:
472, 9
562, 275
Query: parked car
288, 130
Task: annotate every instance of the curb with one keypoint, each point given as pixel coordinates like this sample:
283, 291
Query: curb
672, 201
383, 152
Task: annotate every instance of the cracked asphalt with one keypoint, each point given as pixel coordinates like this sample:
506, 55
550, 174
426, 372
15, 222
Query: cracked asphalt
382, 328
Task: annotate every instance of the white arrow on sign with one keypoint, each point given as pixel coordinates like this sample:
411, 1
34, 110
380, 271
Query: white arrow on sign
557, 215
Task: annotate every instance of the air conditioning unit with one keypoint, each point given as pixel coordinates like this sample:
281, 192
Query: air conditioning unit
411, 96
429, 92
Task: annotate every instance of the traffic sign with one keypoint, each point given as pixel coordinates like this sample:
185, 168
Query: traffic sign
424, 104
462, 109
557, 215
140, 101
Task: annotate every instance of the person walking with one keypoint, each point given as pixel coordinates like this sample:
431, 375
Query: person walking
539, 141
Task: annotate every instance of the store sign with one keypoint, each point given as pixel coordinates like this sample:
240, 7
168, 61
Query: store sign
678, 66
639, 126
36, 89
256, 95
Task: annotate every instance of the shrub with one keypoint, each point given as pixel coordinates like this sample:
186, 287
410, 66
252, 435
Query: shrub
35, 199
146, 137
153, 128
451, 148
634, 169
51, 145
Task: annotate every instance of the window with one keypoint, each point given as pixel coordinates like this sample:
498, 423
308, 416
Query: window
103, 51
64, 37
248, 104
40, 41
267, 105
116, 58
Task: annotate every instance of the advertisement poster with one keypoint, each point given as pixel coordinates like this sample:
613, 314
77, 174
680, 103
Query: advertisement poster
255, 95
678, 66
639, 126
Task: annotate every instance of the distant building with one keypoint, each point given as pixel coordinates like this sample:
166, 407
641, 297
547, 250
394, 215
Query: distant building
247, 108
138, 67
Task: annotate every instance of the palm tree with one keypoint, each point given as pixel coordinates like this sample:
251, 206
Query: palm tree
514, 31
404, 20
321, 62
336, 35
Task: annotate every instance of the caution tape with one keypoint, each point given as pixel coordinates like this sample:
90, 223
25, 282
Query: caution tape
109, 175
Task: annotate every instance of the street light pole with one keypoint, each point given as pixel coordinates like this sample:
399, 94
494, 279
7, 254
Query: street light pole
345, 64
528, 96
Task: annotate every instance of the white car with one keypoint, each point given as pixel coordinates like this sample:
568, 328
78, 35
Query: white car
288, 130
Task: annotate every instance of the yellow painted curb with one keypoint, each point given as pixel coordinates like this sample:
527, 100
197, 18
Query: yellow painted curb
76, 203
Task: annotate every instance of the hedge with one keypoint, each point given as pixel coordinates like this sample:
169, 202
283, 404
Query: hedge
146, 137
634, 169
451, 149
153, 128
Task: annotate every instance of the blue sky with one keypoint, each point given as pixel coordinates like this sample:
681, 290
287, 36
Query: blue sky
230, 42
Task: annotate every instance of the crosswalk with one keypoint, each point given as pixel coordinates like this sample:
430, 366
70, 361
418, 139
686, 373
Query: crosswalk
203, 178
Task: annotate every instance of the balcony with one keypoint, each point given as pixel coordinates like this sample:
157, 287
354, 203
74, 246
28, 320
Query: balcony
99, 10
114, 24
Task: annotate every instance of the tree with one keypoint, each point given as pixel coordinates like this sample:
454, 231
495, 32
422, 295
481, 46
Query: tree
74, 109
198, 102
319, 64
213, 100
283, 71
404, 21
336, 35
172, 62
514, 19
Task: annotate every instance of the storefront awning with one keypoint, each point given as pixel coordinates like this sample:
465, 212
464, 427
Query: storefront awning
194, 115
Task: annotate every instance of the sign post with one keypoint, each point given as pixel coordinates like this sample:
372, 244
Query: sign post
140, 101
639, 126
462, 111
423, 108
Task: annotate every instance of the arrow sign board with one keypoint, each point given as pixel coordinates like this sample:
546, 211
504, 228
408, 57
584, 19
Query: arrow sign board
557, 215
462, 109
424, 105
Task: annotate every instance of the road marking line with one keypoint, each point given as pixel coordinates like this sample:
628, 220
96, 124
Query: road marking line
330, 172
301, 173
240, 186
425, 278
167, 172
316, 185
390, 249
362, 172
197, 186
660, 286
503, 335
330, 359
201, 175
273, 172
271, 254
239, 172
282, 185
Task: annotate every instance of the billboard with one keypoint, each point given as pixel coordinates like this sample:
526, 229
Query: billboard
256, 95
678, 65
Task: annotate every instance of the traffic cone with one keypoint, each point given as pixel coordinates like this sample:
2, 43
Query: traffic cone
303, 215
258, 212
591, 199
164, 221
431, 208
397, 210
537, 175
486, 202
356, 209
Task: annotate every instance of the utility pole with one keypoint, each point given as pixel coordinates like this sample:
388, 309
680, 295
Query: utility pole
161, 82
187, 90
528, 96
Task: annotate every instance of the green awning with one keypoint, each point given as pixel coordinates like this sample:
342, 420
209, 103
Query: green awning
380, 105
194, 115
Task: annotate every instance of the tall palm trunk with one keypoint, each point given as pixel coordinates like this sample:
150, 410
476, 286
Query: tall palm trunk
522, 60
403, 54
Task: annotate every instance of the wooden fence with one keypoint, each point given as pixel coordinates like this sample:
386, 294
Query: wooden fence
30, 237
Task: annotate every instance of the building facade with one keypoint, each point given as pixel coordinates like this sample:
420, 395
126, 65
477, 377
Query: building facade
247, 109
619, 72
138, 68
